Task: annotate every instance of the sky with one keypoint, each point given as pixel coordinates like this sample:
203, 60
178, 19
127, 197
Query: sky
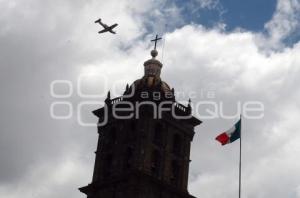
240, 51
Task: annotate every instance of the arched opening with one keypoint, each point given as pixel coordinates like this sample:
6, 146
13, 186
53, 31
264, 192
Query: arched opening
158, 134
133, 125
128, 158
107, 165
175, 171
132, 135
111, 137
155, 162
177, 144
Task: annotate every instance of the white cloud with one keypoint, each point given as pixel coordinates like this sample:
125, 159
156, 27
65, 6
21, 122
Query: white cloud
51, 179
60, 41
240, 71
210, 4
284, 22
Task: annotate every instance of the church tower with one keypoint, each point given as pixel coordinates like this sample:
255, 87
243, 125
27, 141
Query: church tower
144, 144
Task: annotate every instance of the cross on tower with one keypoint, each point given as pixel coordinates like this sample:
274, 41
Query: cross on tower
155, 41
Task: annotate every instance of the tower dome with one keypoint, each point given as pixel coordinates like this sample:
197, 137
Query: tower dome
152, 67
151, 79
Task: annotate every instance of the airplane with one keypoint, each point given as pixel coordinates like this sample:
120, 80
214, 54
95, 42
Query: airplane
106, 27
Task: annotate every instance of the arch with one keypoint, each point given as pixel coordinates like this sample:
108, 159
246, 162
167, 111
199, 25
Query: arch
155, 162
158, 134
132, 133
107, 165
128, 158
111, 137
175, 171
133, 125
177, 144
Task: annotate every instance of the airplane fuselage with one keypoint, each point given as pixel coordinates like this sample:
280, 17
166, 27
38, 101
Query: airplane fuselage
106, 27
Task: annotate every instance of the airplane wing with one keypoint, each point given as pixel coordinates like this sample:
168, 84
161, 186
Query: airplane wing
102, 31
113, 26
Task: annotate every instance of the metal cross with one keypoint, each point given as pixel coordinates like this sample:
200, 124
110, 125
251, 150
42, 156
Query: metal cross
155, 41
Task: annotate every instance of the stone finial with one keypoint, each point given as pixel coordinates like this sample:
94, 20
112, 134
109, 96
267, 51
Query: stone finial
189, 108
107, 100
154, 53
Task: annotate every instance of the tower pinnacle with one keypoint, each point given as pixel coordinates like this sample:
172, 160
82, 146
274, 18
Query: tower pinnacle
155, 41
154, 53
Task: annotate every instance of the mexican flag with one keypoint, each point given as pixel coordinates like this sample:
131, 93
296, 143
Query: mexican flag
230, 135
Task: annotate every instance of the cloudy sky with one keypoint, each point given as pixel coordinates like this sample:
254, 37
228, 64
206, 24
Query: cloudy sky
239, 50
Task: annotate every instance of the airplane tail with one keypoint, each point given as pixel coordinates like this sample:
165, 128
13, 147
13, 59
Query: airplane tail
98, 21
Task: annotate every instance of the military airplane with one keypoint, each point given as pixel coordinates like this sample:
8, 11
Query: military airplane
106, 27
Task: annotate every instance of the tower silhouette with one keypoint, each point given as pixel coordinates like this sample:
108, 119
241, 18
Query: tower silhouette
144, 141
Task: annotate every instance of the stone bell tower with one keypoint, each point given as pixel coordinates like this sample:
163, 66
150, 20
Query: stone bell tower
144, 141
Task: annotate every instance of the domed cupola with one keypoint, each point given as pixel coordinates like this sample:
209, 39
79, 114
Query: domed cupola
151, 79
152, 67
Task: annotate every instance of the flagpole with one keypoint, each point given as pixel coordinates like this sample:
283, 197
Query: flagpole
240, 164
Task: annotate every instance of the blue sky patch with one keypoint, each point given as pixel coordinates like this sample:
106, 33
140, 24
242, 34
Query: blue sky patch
249, 14
246, 14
